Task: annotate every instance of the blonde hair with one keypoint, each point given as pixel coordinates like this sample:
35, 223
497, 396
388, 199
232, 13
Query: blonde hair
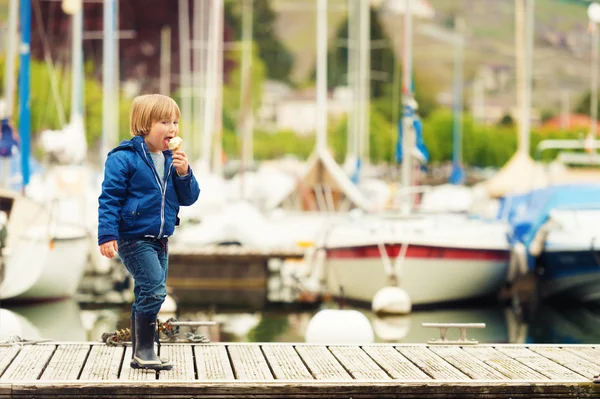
149, 108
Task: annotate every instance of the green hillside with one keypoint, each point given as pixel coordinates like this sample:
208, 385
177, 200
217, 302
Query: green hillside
490, 40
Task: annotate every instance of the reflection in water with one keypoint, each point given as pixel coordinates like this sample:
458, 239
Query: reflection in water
65, 321
408, 328
551, 324
271, 326
59, 320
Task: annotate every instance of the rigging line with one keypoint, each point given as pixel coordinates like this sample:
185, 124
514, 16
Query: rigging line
49, 64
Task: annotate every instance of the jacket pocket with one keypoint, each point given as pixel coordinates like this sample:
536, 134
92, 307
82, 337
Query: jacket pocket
130, 212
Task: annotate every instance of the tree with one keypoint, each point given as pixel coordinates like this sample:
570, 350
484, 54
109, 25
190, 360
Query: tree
584, 104
382, 57
276, 56
382, 60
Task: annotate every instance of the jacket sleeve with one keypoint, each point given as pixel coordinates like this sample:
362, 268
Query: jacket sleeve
187, 188
112, 197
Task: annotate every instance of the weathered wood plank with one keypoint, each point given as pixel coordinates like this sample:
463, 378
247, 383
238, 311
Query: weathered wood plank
66, 363
286, 363
431, 363
310, 389
568, 360
6, 391
7, 354
29, 363
212, 363
358, 363
587, 353
540, 364
182, 357
321, 363
249, 363
396, 365
103, 363
466, 363
131, 374
511, 368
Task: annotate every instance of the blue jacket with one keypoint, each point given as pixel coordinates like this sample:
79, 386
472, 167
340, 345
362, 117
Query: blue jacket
133, 203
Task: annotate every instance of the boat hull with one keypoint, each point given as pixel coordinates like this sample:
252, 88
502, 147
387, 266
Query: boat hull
63, 269
429, 275
570, 275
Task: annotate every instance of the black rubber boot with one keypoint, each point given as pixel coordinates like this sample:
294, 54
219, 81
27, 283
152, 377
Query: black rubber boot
132, 336
164, 361
144, 356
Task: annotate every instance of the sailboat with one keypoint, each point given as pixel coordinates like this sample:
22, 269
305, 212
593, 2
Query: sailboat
434, 259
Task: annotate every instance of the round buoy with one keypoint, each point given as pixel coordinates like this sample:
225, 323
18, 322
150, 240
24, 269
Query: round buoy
391, 300
339, 326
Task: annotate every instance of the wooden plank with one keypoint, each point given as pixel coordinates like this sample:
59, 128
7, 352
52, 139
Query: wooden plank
358, 363
585, 352
66, 363
568, 360
29, 363
212, 363
103, 363
540, 364
396, 365
466, 363
431, 364
7, 354
511, 368
321, 363
182, 357
131, 374
286, 363
313, 389
6, 390
235, 252
249, 363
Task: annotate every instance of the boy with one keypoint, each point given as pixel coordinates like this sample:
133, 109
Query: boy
144, 185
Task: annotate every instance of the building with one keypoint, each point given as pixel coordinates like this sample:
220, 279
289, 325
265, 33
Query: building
139, 22
285, 109
570, 122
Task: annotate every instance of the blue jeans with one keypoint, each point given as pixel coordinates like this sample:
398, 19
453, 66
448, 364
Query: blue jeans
147, 260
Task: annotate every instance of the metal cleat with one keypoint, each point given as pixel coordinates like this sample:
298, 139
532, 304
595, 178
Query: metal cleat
463, 340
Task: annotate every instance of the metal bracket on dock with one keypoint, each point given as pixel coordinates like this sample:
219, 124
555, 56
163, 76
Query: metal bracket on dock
463, 340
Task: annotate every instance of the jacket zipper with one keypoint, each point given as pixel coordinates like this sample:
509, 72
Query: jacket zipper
163, 190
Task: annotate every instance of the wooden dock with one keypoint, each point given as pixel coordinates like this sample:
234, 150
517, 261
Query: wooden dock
235, 370
226, 275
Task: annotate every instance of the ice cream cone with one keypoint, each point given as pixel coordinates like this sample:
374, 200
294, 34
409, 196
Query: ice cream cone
175, 144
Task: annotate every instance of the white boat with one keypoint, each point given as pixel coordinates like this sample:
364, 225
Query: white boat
63, 267
555, 238
27, 246
440, 258
45, 254
569, 263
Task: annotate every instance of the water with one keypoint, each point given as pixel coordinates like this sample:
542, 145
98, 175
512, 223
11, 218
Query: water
68, 321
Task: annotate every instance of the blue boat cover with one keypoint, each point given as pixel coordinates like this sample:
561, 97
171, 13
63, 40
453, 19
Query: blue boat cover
528, 212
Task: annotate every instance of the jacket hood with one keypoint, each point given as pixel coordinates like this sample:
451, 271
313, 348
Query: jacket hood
133, 144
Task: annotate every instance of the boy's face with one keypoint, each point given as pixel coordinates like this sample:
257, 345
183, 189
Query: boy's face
160, 133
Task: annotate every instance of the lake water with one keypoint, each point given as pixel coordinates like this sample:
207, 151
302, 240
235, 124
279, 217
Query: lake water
68, 321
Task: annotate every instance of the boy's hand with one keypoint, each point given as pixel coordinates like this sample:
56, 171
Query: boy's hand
109, 249
180, 162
